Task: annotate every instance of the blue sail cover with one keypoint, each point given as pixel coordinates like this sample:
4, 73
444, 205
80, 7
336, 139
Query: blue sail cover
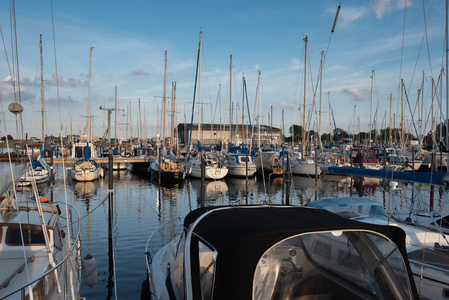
436, 178
87, 152
198, 147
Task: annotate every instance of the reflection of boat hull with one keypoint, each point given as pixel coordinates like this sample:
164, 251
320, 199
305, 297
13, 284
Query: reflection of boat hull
86, 189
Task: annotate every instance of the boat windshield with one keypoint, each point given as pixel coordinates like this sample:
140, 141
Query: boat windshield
332, 265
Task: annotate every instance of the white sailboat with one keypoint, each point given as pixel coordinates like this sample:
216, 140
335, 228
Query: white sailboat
214, 169
87, 169
304, 166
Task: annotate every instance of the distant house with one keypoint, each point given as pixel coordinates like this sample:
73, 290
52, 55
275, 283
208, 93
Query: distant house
214, 133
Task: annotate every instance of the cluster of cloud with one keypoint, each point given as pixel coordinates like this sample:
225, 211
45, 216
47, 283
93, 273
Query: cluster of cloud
356, 94
9, 91
139, 72
385, 7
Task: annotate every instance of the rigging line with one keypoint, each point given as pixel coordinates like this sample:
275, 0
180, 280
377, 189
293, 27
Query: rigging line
60, 120
19, 125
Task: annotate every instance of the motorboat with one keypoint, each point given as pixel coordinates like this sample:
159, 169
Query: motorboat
427, 250
234, 252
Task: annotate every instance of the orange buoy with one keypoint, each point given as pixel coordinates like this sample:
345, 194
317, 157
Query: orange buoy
342, 160
44, 199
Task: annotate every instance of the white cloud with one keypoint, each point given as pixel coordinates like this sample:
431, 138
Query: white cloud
139, 72
385, 7
356, 94
7, 91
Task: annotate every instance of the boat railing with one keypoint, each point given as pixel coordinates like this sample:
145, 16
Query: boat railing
58, 267
163, 229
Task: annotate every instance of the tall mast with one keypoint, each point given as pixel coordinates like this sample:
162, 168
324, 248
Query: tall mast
402, 113
230, 99
447, 82
258, 103
199, 90
371, 108
42, 90
173, 106
243, 110
391, 99
304, 110
140, 123
164, 99
70, 121
89, 109
321, 92
115, 125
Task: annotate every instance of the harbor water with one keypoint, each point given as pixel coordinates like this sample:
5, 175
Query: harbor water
141, 205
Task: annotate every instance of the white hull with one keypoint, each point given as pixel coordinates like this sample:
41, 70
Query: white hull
305, 168
86, 170
241, 170
64, 249
28, 179
210, 172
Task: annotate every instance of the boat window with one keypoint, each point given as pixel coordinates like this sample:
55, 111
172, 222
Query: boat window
207, 259
245, 159
177, 274
31, 235
332, 265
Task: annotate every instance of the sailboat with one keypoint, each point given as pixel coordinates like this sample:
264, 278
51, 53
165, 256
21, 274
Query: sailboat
85, 168
40, 259
304, 166
214, 168
165, 167
39, 171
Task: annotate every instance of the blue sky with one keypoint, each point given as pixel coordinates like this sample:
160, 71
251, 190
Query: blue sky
130, 37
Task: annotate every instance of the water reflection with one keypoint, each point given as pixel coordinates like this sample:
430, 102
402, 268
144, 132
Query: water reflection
240, 190
214, 191
86, 190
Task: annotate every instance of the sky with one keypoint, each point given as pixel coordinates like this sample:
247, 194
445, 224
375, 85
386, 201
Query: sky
392, 39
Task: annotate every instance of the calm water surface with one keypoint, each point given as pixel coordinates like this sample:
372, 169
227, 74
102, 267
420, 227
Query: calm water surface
140, 206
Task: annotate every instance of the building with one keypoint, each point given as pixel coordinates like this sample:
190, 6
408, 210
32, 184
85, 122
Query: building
214, 133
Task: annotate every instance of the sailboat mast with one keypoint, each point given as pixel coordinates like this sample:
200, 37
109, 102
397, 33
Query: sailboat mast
164, 99
230, 99
89, 109
258, 104
371, 108
304, 110
243, 109
173, 96
42, 90
115, 125
199, 91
